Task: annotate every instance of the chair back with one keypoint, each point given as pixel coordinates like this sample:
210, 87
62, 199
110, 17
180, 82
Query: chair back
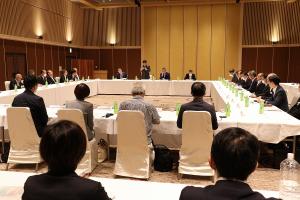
23, 135
133, 153
197, 136
6, 84
89, 162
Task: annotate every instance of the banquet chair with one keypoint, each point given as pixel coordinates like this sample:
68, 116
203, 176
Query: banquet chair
6, 84
197, 136
24, 138
90, 159
133, 157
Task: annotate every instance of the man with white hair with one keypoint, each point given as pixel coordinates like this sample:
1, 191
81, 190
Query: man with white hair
17, 82
138, 103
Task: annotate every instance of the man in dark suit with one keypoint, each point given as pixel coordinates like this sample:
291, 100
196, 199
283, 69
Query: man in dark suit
50, 78
17, 82
252, 77
198, 104
164, 75
190, 75
42, 78
234, 155
246, 81
64, 76
145, 70
35, 103
120, 74
278, 96
233, 74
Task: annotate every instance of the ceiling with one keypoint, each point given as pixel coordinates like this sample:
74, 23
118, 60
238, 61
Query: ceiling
100, 4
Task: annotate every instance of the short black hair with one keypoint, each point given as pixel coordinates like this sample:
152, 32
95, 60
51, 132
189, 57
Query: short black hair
30, 82
62, 146
235, 152
144, 61
274, 78
198, 89
82, 91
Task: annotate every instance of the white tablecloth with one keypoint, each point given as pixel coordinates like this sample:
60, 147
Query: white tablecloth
152, 87
11, 188
56, 94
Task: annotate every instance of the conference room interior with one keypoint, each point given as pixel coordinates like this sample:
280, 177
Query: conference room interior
97, 38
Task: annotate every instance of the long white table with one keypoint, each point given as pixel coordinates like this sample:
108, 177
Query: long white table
11, 188
272, 126
55, 94
152, 87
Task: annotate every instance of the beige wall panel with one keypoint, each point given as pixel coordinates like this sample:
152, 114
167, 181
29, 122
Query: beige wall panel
190, 38
150, 37
204, 42
232, 37
218, 41
163, 39
176, 42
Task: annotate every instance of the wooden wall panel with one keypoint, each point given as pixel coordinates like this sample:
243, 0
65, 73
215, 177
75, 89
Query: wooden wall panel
48, 57
15, 46
294, 65
116, 25
204, 43
93, 54
55, 57
62, 58
264, 21
106, 61
249, 59
163, 39
2, 65
119, 60
281, 62
54, 19
192, 37
218, 41
264, 60
190, 28
232, 45
31, 57
176, 42
40, 57
150, 37
134, 64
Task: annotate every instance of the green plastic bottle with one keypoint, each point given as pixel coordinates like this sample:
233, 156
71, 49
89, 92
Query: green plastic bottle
177, 108
46, 83
261, 107
16, 88
227, 110
116, 107
246, 101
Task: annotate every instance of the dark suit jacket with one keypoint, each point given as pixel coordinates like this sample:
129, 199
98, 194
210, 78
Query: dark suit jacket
198, 105
124, 75
279, 99
246, 84
63, 79
145, 73
253, 86
50, 80
295, 110
260, 89
187, 77
13, 83
37, 108
235, 78
66, 187
165, 76
41, 80
222, 190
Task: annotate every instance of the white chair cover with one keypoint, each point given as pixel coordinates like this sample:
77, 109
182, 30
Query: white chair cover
133, 153
197, 136
6, 83
23, 135
90, 159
